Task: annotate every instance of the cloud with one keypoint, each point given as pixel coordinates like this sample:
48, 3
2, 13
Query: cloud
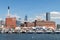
15, 15
31, 19
55, 15
54, 12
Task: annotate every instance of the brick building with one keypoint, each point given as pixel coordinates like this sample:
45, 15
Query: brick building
10, 22
28, 24
46, 24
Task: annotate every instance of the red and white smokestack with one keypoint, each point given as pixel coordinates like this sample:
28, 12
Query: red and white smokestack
8, 11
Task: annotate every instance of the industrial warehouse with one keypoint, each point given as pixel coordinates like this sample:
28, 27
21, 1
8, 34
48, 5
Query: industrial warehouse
11, 25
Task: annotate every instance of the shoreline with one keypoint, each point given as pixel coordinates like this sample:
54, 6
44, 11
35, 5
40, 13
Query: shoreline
31, 33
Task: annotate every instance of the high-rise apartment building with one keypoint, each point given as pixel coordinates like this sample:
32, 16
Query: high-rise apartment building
47, 16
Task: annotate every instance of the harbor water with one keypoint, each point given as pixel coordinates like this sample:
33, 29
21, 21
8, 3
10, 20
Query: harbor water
29, 36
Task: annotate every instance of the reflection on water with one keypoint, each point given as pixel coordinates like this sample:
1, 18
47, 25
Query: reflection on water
29, 36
